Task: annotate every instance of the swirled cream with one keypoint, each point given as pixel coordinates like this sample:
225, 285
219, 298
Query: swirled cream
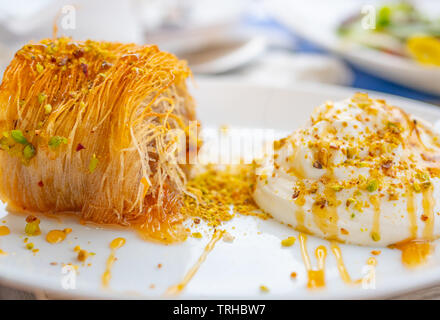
361, 171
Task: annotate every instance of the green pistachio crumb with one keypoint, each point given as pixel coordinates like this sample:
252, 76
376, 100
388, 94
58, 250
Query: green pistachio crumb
416, 187
196, 235
47, 108
28, 151
350, 201
372, 185
264, 289
56, 141
18, 136
41, 97
93, 163
375, 236
336, 187
40, 68
288, 241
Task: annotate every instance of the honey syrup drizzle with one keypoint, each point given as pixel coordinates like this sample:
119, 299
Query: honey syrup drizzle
304, 253
326, 217
316, 278
428, 212
300, 219
114, 245
332, 215
411, 208
376, 218
178, 288
299, 213
345, 276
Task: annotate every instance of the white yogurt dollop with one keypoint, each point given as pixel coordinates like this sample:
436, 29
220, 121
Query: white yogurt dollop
360, 171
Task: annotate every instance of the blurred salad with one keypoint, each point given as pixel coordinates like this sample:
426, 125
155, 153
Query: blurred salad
399, 29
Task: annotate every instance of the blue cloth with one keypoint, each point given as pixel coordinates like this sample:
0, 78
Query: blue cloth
365, 80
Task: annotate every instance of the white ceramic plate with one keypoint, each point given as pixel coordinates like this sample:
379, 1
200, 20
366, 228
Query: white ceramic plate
317, 20
231, 270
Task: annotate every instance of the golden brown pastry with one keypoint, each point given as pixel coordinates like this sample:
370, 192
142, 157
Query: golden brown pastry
85, 129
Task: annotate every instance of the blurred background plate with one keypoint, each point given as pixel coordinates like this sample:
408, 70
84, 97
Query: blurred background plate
318, 20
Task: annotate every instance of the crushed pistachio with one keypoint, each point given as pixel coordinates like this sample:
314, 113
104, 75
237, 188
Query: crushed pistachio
9, 140
351, 152
41, 97
317, 165
18, 136
56, 141
363, 164
323, 157
39, 67
426, 184
375, 236
32, 227
28, 152
372, 185
417, 187
227, 237
264, 289
336, 187
288, 241
295, 194
82, 255
93, 163
197, 235
47, 108
213, 192
350, 201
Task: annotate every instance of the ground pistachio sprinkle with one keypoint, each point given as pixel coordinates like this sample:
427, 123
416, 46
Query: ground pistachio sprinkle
214, 191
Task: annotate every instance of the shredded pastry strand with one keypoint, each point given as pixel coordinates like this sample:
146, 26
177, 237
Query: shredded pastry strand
85, 128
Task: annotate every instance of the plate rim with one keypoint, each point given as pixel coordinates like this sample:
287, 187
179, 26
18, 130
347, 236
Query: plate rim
362, 56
